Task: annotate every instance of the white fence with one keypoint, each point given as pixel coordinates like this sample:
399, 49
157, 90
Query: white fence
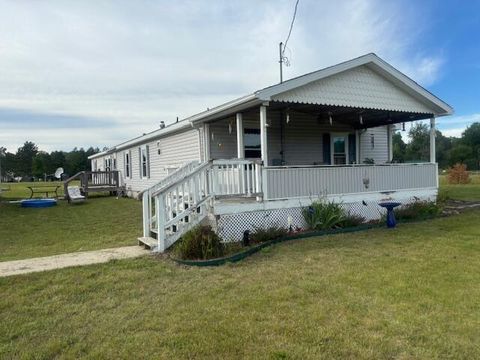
293, 182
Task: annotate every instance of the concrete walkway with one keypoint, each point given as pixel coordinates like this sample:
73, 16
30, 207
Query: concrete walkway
17, 267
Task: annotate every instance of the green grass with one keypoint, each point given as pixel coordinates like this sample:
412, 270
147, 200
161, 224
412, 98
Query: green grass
20, 190
410, 293
100, 222
467, 192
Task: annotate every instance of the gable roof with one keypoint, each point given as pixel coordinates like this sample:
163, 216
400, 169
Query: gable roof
375, 64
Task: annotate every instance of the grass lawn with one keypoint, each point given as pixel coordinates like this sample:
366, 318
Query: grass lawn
20, 190
469, 191
413, 292
100, 222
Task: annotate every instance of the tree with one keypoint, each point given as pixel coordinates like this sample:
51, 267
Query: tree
399, 148
42, 164
459, 154
418, 149
58, 159
471, 138
3, 152
443, 147
24, 159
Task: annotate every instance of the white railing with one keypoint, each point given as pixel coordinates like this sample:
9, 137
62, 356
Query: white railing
287, 182
235, 178
181, 200
174, 176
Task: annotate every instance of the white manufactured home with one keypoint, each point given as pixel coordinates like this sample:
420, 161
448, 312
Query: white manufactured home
257, 160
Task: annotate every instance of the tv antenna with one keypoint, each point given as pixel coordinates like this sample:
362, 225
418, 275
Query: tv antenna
283, 46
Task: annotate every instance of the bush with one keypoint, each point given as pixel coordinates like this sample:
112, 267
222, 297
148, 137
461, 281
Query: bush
323, 215
418, 210
458, 174
273, 232
352, 220
200, 243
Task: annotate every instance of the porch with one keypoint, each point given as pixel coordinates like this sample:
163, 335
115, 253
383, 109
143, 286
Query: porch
327, 134
223, 188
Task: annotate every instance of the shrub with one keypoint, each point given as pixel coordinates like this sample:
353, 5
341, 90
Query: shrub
418, 210
322, 215
200, 243
458, 174
352, 220
273, 232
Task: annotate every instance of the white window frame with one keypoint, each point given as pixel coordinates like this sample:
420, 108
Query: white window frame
141, 151
332, 155
127, 164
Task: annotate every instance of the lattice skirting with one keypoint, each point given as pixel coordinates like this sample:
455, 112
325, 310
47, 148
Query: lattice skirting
232, 226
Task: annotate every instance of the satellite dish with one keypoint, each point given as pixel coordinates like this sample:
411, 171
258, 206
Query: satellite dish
58, 173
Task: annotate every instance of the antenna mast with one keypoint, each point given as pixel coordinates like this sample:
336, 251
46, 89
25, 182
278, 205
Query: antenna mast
280, 60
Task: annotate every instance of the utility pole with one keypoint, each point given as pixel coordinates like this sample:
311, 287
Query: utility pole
280, 60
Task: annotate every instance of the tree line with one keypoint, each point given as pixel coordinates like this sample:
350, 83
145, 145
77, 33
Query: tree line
29, 163
449, 150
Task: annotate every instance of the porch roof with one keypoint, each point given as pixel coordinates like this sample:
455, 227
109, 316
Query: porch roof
366, 84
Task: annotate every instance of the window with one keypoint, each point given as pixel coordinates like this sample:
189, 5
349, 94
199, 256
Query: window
126, 156
108, 164
251, 139
144, 162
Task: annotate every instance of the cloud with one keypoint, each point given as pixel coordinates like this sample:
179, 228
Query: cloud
132, 65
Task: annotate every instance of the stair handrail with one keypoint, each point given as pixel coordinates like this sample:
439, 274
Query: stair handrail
173, 177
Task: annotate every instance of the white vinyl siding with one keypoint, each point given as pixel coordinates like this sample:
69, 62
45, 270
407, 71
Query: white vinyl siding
360, 87
175, 150
374, 144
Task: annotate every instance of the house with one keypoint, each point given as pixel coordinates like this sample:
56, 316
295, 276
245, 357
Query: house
257, 160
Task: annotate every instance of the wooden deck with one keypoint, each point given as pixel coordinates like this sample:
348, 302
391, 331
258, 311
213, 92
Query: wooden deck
96, 181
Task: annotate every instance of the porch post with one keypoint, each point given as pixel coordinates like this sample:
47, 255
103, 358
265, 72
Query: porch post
240, 147
206, 141
263, 134
390, 143
432, 141
357, 147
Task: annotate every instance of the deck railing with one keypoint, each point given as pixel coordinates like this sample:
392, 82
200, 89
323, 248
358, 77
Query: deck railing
95, 180
235, 178
287, 182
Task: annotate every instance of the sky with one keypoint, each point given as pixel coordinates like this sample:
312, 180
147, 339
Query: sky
96, 73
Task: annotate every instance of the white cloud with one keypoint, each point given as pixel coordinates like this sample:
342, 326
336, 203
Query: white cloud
136, 64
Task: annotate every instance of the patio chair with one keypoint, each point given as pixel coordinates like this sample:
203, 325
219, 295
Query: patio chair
74, 194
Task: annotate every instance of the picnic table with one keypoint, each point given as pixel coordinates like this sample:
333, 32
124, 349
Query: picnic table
44, 189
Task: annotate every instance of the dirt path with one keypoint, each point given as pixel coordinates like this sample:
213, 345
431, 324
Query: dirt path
16, 267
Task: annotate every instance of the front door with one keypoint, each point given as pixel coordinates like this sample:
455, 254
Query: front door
339, 149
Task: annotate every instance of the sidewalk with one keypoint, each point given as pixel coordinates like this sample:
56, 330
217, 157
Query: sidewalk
17, 267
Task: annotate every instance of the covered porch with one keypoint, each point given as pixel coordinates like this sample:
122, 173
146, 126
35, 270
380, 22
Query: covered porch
309, 151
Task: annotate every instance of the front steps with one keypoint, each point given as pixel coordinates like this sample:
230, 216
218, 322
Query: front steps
147, 242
